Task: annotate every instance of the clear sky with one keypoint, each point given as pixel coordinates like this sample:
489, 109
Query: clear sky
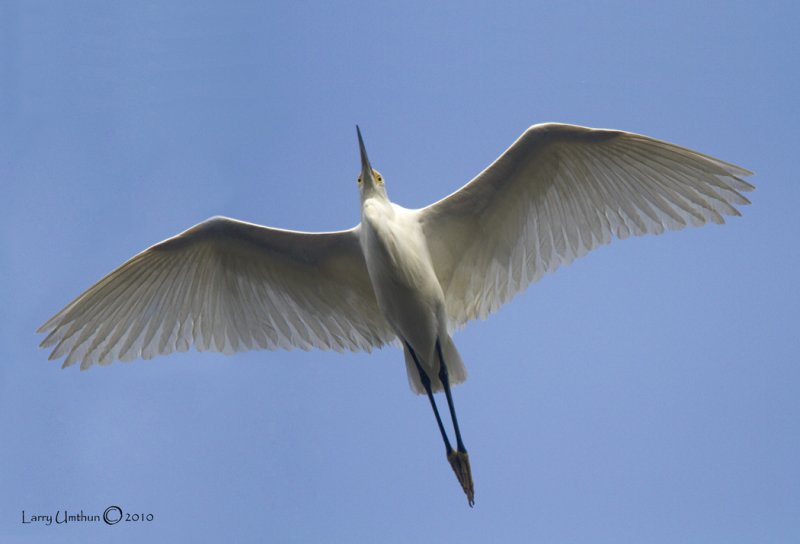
647, 393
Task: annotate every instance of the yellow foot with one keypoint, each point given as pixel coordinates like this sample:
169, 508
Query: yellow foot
460, 463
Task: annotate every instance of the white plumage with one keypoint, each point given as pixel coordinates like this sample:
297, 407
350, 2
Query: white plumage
225, 285
556, 193
408, 275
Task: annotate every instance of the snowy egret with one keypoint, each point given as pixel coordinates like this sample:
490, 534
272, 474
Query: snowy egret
401, 275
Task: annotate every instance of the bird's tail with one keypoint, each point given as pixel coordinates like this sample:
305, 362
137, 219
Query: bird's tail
456, 370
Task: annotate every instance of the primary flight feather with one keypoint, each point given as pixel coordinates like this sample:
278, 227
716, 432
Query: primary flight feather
403, 275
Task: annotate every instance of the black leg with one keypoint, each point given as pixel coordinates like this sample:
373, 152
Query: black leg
459, 460
444, 377
426, 383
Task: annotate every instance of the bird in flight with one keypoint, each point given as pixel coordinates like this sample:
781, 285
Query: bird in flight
400, 276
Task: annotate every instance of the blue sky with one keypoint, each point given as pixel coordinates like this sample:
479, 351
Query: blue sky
646, 393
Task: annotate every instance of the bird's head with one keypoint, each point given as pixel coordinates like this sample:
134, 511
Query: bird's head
370, 181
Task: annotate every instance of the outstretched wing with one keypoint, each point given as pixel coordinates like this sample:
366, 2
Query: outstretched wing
225, 285
558, 192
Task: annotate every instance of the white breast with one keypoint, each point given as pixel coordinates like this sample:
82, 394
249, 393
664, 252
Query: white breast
402, 274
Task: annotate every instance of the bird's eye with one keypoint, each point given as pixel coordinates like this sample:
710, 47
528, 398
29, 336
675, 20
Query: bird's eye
359, 180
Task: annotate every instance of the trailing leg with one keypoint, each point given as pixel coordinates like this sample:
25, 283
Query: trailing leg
426, 383
459, 460
445, 379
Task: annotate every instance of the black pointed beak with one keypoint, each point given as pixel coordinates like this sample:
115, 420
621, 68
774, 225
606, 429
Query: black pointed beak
366, 168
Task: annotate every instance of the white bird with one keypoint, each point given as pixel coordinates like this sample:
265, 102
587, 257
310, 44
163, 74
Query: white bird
411, 276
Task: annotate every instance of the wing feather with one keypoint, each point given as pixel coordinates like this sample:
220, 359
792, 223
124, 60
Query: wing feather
225, 285
558, 192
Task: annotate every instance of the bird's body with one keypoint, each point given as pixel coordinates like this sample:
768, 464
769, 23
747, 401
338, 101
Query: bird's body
410, 276
401, 272
406, 287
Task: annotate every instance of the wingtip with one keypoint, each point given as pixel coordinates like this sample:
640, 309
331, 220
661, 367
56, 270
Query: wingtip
748, 186
46, 326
